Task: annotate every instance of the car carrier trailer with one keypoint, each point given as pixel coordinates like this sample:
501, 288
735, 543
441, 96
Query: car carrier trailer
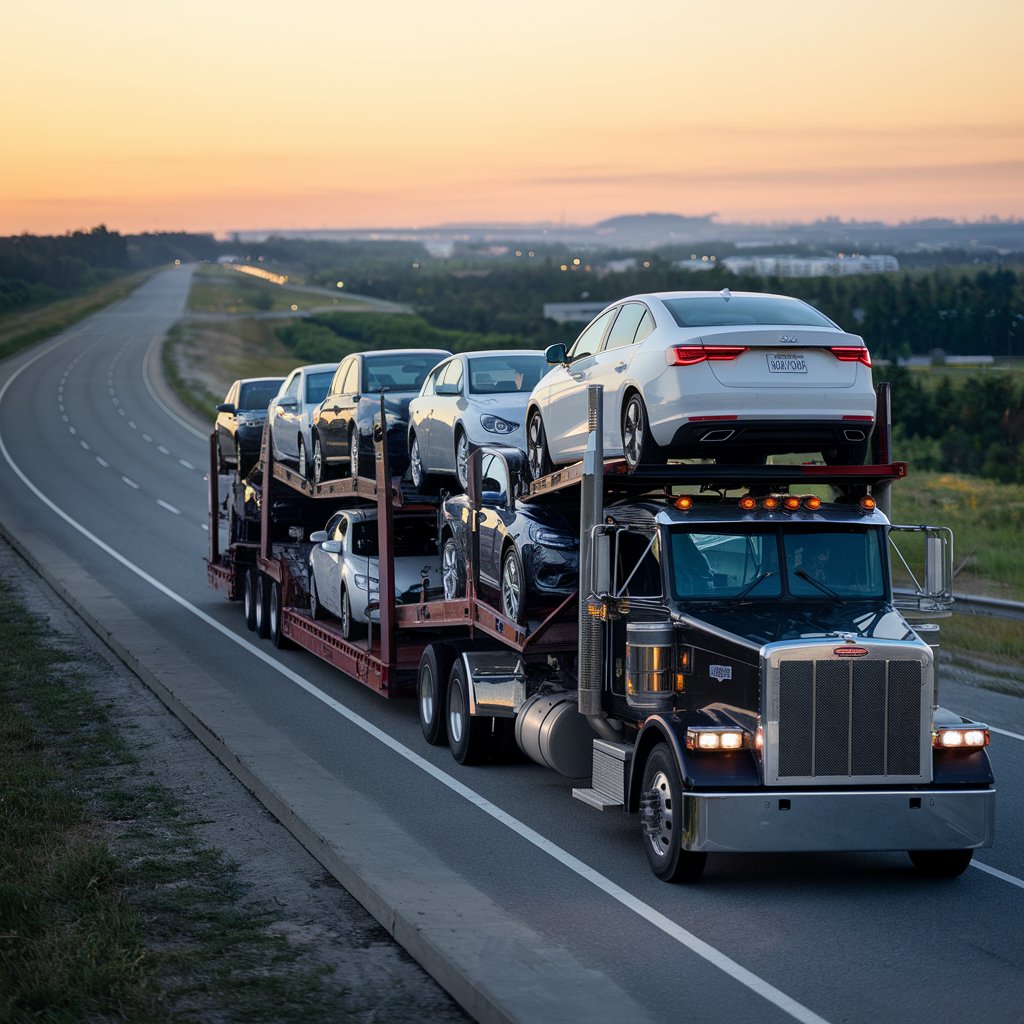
708, 676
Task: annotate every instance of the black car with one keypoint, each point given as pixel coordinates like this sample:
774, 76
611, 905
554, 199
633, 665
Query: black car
529, 553
343, 423
240, 421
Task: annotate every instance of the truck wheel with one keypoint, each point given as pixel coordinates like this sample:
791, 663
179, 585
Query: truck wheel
513, 588
277, 636
261, 609
453, 570
467, 736
249, 585
432, 691
638, 445
941, 863
661, 818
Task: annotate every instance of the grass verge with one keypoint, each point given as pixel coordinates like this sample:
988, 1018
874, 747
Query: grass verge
222, 290
110, 907
24, 328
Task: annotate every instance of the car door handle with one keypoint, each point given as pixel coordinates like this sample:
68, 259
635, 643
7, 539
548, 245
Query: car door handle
578, 376
619, 367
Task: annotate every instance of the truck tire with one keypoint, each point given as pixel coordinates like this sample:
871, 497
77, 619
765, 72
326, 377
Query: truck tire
262, 611
249, 585
432, 691
468, 737
941, 863
661, 820
276, 610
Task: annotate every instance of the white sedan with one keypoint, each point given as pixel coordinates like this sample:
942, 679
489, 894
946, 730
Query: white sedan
344, 568
291, 413
733, 376
471, 399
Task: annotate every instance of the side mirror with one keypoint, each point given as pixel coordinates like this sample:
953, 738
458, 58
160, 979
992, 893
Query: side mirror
288, 403
318, 537
331, 547
496, 499
556, 354
227, 407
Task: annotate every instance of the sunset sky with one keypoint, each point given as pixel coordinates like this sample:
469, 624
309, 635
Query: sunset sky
214, 115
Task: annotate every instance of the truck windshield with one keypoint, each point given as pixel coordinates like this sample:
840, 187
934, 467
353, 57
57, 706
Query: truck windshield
721, 562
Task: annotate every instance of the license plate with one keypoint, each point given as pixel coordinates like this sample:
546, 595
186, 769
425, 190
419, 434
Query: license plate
786, 362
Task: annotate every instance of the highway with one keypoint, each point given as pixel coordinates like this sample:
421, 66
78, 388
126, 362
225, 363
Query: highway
525, 904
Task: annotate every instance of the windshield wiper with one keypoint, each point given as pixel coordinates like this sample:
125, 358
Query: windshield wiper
804, 575
754, 582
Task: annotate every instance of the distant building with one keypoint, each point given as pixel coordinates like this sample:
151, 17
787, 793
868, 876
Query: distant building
572, 312
811, 266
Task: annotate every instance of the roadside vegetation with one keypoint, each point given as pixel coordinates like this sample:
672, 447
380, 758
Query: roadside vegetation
110, 907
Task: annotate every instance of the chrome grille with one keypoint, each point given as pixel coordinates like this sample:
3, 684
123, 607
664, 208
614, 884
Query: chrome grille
846, 720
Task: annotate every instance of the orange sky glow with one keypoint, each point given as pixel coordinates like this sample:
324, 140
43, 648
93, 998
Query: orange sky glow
225, 115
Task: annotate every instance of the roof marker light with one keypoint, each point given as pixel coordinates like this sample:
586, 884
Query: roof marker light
685, 503
867, 503
812, 503
791, 504
747, 503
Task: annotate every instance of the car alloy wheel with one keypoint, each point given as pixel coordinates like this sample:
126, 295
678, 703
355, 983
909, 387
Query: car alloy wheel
512, 595
319, 469
353, 453
462, 459
453, 572
416, 464
537, 457
346, 615
303, 462
638, 446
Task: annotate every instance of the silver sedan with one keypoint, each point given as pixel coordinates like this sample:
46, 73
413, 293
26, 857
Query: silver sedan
471, 399
291, 413
732, 376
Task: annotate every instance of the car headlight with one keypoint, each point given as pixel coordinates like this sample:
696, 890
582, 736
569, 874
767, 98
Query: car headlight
496, 425
551, 538
367, 583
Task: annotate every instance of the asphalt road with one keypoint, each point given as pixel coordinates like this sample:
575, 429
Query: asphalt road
525, 904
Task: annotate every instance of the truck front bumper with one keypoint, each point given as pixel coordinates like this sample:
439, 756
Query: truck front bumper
771, 821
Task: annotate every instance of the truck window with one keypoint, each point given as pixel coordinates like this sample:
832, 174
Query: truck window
717, 563
843, 563
637, 569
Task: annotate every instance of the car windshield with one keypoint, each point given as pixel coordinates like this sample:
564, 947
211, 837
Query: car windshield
398, 372
717, 562
257, 394
413, 537
503, 375
317, 385
763, 310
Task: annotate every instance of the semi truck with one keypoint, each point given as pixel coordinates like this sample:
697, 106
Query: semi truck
733, 668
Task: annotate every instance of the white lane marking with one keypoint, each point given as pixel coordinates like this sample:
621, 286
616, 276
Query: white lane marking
162, 450
206, 527
84, 445
674, 931
147, 439
65, 418
103, 462
159, 401
186, 463
1003, 732
72, 431
121, 412
170, 508
996, 873
131, 483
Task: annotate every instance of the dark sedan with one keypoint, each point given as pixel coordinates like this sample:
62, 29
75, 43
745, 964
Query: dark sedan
240, 421
529, 553
343, 422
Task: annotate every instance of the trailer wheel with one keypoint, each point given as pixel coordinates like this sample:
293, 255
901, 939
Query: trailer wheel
468, 736
661, 819
277, 636
432, 691
261, 609
249, 598
941, 863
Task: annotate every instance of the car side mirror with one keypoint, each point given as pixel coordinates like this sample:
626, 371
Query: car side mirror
556, 354
288, 403
495, 499
227, 407
331, 547
318, 536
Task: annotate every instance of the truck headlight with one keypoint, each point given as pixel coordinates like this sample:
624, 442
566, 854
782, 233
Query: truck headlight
707, 738
961, 737
367, 583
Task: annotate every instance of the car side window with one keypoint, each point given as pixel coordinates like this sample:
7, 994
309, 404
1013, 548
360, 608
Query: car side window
626, 323
341, 532
291, 388
453, 374
432, 379
339, 376
645, 329
350, 383
590, 340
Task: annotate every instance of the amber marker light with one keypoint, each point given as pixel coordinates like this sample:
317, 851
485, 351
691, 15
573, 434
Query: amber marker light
868, 503
684, 503
812, 504
770, 503
748, 504
791, 504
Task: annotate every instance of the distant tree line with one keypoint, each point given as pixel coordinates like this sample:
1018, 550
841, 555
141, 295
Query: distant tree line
41, 268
